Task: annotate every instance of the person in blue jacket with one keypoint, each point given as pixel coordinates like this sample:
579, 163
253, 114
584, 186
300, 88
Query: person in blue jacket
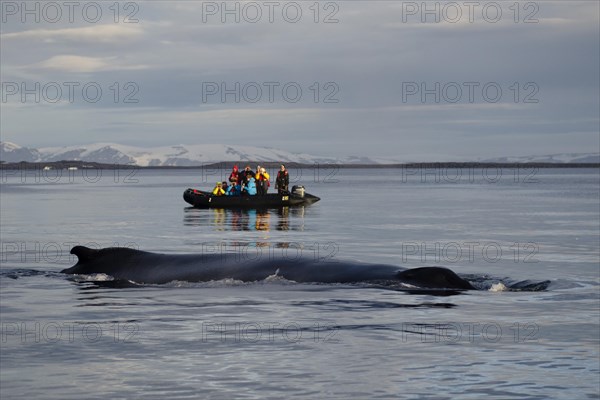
250, 187
233, 190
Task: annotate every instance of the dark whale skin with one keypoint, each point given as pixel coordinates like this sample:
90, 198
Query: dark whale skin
155, 268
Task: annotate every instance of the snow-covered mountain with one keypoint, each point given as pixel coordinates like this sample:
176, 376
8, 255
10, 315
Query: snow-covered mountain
195, 155
561, 158
10, 152
179, 155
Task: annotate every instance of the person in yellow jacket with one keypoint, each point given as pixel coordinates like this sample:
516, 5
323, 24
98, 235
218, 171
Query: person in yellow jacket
218, 190
262, 182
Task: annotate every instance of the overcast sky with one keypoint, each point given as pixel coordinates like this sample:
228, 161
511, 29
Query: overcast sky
369, 78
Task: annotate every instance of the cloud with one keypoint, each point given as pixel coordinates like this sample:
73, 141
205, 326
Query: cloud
107, 33
73, 63
370, 54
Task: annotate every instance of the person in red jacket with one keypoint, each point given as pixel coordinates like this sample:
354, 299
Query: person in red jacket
234, 177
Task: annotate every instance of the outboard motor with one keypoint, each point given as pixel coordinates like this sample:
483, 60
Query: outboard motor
298, 190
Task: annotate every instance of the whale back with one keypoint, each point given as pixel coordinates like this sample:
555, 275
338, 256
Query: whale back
146, 267
84, 253
106, 260
434, 277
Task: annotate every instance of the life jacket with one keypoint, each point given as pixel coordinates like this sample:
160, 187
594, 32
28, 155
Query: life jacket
282, 177
235, 174
264, 177
218, 191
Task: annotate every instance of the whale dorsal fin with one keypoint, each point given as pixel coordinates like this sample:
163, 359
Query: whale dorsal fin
84, 253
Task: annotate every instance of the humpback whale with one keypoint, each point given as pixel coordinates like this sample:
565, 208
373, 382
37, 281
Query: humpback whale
154, 268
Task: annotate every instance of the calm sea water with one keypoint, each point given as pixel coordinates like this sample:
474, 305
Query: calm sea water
70, 338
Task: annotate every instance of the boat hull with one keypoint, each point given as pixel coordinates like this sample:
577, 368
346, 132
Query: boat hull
202, 199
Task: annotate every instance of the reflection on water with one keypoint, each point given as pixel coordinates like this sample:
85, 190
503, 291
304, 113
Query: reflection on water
282, 219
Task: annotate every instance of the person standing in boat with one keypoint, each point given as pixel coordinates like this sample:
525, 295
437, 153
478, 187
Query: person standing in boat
262, 179
258, 180
267, 180
282, 181
247, 173
234, 177
244, 176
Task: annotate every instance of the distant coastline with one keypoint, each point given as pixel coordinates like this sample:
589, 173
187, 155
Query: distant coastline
65, 164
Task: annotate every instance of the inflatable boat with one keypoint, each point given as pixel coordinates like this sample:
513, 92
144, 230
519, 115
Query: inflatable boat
203, 199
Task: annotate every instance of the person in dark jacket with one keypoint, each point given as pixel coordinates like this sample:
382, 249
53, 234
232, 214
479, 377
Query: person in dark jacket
244, 176
283, 180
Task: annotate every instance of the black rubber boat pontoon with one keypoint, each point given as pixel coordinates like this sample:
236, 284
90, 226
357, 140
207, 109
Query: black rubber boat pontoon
202, 199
